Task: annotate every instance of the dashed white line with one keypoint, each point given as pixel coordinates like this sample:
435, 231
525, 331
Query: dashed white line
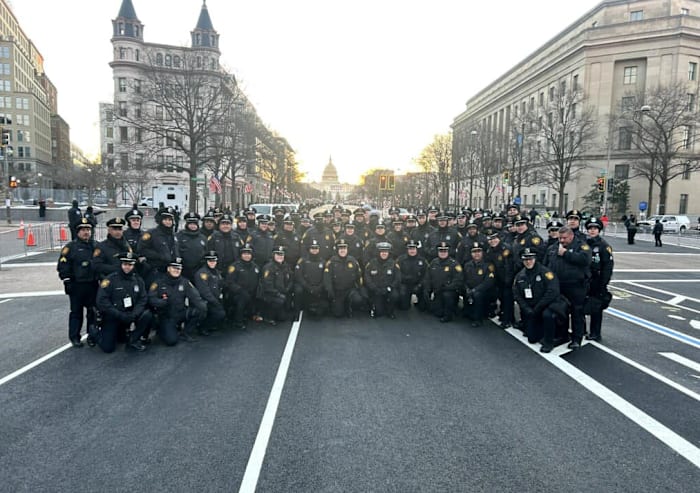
31, 294
682, 360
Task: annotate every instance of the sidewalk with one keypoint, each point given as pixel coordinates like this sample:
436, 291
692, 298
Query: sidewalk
21, 278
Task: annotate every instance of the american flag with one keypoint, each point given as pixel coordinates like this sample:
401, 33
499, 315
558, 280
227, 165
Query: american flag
214, 184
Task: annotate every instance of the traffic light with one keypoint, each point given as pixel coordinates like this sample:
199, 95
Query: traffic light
391, 183
601, 184
5, 137
13, 182
506, 176
611, 185
382, 182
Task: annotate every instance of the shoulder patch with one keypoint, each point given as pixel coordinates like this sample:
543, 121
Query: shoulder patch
536, 240
491, 268
609, 249
266, 274
549, 275
351, 265
231, 269
146, 236
96, 252
104, 283
204, 276
458, 268
506, 253
585, 247
154, 286
65, 250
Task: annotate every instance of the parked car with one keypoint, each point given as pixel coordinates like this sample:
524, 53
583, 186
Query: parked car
146, 202
266, 209
673, 223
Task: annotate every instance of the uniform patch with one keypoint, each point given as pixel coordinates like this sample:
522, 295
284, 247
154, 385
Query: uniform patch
63, 259
146, 236
458, 268
203, 276
104, 283
447, 269
231, 269
351, 265
480, 272
536, 240
491, 268
266, 274
65, 250
609, 249
96, 252
154, 286
585, 247
549, 275
506, 253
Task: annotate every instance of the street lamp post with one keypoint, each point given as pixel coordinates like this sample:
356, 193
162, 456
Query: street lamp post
471, 167
41, 184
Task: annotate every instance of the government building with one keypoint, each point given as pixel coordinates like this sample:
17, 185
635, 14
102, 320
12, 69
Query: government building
601, 70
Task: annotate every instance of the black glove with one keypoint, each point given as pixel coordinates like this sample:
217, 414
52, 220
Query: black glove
527, 311
66, 286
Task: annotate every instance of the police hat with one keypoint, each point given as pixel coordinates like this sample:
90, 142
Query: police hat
380, 224
595, 223
166, 212
472, 224
350, 224
265, 218
247, 248
226, 218
476, 247
116, 222
314, 244
341, 243
359, 211
242, 219
554, 224
176, 262
133, 213
411, 244
279, 210
84, 223
211, 255
442, 246
279, 250
442, 216
209, 216
527, 253
514, 206
127, 257
492, 235
499, 216
383, 246
411, 217
574, 214
191, 217
519, 219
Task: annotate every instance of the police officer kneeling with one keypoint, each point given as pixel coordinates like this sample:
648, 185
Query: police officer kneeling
122, 299
535, 289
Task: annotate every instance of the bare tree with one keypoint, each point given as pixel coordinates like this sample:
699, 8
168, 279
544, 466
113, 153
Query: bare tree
436, 159
564, 128
486, 171
664, 120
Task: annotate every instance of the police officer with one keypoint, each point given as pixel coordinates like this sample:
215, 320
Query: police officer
371, 250
535, 289
501, 256
122, 301
526, 237
74, 219
570, 261
132, 234
289, 240
398, 239
192, 245
466, 242
421, 234
356, 245
573, 220
443, 282
263, 243
342, 278
383, 282
208, 224
105, 257
241, 287
309, 292
413, 268
444, 234
276, 288
553, 228
76, 271
158, 245
210, 285
176, 301
225, 242
479, 285
602, 265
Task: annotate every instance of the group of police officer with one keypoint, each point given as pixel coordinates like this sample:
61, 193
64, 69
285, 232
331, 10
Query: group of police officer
211, 274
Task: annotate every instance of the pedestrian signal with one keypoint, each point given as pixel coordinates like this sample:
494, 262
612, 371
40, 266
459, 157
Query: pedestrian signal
391, 183
382, 182
13, 182
506, 176
5, 137
601, 184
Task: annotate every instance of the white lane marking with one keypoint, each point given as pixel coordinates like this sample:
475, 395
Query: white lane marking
676, 317
676, 300
663, 291
682, 360
35, 363
28, 264
631, 412
695, 324
646, 370
5, 301
257, 455
653, 280
641, 295
658, 328
30, 294
665, 271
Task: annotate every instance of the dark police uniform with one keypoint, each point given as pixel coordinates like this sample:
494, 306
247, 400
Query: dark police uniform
290, 241
276, 287
133, 235
602, 265
342, 278
122, 300
309, 292
210, 285
443, 235
443, 281
176, 301
535, 290
501, 257
76, 271
240, 289
413, 269
479, 287
192, 245
105, 257
158, 246
383, 283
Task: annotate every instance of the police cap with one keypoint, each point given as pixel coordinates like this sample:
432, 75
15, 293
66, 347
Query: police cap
116, 222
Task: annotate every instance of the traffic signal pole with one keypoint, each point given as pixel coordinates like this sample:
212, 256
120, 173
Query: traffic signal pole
6, 173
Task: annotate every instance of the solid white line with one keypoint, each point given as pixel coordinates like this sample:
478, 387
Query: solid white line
677, 299
5, 301
646, 370
653, 280
28, 264
664, 271
634, 414
30, 294
662, 291
257, 455
31, 365
682, 360
652, 298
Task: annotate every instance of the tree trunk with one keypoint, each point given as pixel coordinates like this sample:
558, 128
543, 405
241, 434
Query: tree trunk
650, 192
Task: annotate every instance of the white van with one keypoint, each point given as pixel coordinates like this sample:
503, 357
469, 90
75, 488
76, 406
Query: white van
673, 223
262, 209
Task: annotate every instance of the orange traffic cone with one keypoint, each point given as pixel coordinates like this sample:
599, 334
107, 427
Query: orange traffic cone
30, 237
20, 231
64, 235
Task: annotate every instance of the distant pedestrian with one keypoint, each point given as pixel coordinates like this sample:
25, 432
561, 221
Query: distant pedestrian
631, 225
658, 231
74, 217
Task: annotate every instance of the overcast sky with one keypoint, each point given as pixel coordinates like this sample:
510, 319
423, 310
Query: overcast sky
366, 82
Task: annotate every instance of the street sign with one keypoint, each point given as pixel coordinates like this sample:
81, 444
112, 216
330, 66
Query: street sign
517, 200
643, 206
248, 188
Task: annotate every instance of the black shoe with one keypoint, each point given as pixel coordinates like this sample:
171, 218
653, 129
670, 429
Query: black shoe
505, 325
136, 346
590, 337
76, 343
91, 341
144, 340
392, 315
444, 320
184, 336
546, 348
476, 323
204, 332
574, 345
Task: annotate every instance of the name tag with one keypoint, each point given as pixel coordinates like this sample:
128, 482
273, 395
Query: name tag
528, 293
127, 302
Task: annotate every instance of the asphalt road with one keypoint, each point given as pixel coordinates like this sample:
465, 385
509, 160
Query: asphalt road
365, 405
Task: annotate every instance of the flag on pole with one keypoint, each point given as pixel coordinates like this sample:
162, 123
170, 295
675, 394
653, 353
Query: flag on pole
214, 184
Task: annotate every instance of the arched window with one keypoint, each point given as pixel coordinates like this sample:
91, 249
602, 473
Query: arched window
176, 61
159, 59
197, 39
138, 55
168, 61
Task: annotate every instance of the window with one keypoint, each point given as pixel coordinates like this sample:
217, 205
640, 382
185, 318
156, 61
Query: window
691, 102
124, 160
627, 103
550, 119
138, 55
551, 94
625, 143
686, 172
622, 171
5, 86
554, 200
687, 136
199, 61
683, 205
124, 134
685, 11
532, 103
523, 108
122, 108
24, 151
176, 61
136, 31
109, 115
137, 86
122, 53
159, 59
5, 102
138, 162
636, 15
573, 110
630, 75
159, 112
137, 110
109, 132
692, 70
160, 163
122, 84
168, 61
139, 135
4, 52
562, 88
110, 148
5, 68
120, 29
574, 86
541, 98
